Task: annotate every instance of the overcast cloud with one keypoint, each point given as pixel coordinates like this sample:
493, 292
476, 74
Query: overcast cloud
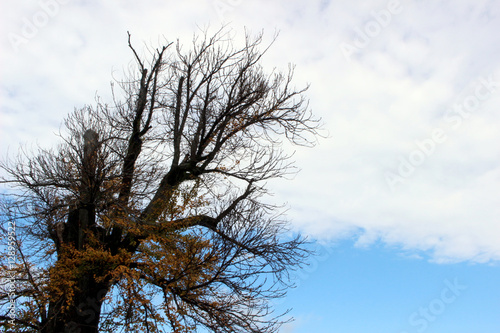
409, 92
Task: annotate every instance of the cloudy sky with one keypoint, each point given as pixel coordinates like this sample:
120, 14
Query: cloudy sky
402, 194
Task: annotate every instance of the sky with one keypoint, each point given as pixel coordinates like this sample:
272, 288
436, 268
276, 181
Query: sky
401, 195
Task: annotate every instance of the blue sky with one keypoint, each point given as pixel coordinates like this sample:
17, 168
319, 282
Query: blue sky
403, 193
379, 290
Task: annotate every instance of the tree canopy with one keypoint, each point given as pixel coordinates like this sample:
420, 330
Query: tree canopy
150, 214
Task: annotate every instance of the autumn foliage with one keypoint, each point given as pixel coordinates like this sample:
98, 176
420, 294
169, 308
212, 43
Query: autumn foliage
149, 216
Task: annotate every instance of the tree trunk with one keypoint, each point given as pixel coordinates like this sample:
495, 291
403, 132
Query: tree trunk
79, 310
83, 315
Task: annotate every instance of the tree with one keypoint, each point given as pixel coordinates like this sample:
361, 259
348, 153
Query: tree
149, 214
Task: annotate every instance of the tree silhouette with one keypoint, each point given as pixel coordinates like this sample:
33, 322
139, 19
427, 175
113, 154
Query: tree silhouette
149, 214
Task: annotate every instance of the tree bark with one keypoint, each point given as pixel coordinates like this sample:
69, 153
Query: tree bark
82, 312
83, 315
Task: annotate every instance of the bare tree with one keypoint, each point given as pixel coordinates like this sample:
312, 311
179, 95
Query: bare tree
149, 215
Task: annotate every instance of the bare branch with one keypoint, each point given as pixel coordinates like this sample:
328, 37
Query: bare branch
162, 193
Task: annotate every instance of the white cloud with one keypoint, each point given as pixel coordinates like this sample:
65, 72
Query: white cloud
394, 92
